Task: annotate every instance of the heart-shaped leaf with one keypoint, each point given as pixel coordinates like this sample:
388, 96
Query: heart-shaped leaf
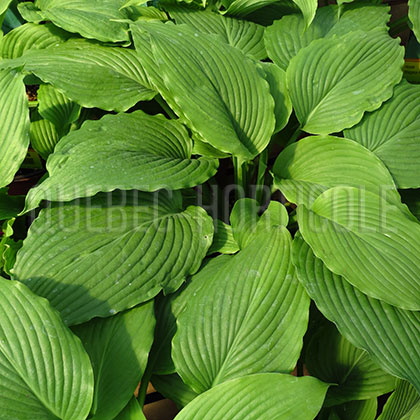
333, 359
118, 347
103, 255
390, 335
214, 87
253, 316
333, 96
44, 371
14, 127
314, 164
392, 133
125, 151
265, 396
119, 69
371, 243
287, 36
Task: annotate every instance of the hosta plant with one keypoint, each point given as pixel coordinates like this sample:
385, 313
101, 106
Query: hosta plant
228, 209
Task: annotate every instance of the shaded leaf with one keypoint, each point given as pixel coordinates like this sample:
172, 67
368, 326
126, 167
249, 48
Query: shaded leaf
125, 151
392, 133
360, 410
14, 127
43, 135
269, 395
132, 411
172, 387
371, 243
414, 15
100, 256
10, 205
44, 371
223, 240
118, 348
235, 117
390, 335
351, 80
30, 12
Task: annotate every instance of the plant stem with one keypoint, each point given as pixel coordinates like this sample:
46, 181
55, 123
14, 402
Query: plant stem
144, 384
239, 167
262, 167
165, 107
295, 136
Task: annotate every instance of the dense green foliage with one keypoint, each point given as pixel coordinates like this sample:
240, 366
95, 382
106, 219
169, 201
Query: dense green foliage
227, 207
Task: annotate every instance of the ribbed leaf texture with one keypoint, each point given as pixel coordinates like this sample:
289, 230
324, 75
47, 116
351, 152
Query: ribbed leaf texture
371, 243
253, 315
125, 151
118, 347
44, 135
389, 334
14, 127
100, 256
244, 35
392, 133
314, 164
212, 86
287, 36
333, 96
333, 359
72, 67
270, 395
44, 371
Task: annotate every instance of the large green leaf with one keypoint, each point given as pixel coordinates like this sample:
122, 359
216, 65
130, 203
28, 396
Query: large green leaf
132, 411
44, 371
392, 133
354, 410
314, 164
389, 334
244, 35
253, 316
271, 396
223, 240
10, 206
333, 359
31, 36
287, 36
371, 243
91, 67
118, 348
308, 9
139, 151
4, 4
414, 15
212, 86
14, 127
333, 96
401, 403
103, 255
44, 135
97, 19
30, 12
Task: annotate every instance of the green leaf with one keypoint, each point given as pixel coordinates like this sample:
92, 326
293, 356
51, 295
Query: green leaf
371, 243
4, 5
31, 36
265, 396
354, 410
389, 334
276, 78
118, 348
111, 153
311, 166
236, 117
30, 12
308, 9
414, 15
333, 359
132, 411
94, 19
401, 403
172, 387
44, 371
14, 127
55, 107
351, 80
253, 316
223, 240
119, 69
244, 35
10, 205
392, 133
109, 253
43, 135
287, 36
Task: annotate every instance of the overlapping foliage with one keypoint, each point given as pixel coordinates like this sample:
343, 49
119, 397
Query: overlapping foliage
230, 196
